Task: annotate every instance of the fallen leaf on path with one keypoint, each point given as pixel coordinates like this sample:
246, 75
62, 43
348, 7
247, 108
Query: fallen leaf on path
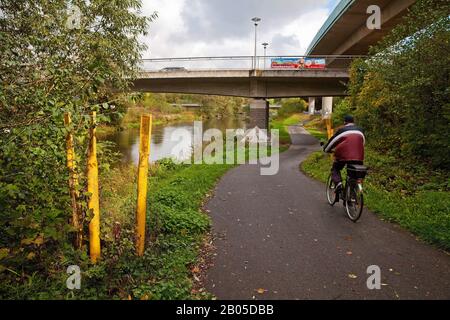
261, 291
196, 269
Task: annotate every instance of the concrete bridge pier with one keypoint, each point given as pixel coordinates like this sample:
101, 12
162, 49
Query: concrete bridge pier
312, 106
327, 107
259, 113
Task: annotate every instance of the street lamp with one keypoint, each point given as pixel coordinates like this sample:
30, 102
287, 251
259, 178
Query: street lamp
255, 20
265, 44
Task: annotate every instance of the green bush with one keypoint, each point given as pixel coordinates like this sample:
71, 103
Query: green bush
401, 95
291, 106
46, 71
342, 108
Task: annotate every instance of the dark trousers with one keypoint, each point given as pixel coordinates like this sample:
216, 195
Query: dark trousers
337, 167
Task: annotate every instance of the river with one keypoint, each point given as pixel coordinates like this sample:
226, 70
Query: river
163, 142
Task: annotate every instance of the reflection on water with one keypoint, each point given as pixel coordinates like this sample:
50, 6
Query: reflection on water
163, 144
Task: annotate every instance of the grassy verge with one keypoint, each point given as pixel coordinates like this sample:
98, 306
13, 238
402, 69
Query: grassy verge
282, 125
409, 195
177, 227
316, 128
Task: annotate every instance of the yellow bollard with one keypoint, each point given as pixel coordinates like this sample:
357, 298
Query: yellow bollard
93, 203
330, 131
73, 185
144, 152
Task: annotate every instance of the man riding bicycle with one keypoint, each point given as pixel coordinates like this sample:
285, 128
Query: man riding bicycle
348, 145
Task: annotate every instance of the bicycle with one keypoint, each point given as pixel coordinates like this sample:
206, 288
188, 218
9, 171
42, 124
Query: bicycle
352, 195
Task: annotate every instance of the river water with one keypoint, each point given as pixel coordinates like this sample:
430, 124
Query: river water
166, 139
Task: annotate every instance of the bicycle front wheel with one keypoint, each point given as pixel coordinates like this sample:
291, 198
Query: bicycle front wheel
331, 191
354, 201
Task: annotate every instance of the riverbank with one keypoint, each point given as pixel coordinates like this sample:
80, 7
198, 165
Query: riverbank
132, 119
397, 190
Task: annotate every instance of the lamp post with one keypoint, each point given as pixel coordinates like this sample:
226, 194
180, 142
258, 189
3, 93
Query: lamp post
265, 44
256, 20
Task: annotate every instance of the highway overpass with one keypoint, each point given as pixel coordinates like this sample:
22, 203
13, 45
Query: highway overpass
345, 32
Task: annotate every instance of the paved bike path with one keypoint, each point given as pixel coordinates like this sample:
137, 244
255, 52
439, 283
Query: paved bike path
277, 233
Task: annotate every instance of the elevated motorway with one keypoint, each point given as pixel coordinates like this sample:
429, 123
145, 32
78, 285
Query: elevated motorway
346, 33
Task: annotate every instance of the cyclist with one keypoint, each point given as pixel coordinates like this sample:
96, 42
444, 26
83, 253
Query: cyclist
348, 145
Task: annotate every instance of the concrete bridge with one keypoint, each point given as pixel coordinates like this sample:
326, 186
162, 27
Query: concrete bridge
257, 84
345, 32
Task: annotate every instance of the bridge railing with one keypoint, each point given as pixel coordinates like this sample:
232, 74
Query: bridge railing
248, 63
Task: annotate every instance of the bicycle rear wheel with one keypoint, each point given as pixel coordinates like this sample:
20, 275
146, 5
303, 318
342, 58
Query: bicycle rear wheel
331, 191
354, 202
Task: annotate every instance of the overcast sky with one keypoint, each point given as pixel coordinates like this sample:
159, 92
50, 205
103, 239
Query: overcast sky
187, 28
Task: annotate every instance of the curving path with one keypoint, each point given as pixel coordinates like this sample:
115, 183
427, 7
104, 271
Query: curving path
277, 233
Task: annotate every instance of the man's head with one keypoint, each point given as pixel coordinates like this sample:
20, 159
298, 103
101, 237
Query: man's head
349, 119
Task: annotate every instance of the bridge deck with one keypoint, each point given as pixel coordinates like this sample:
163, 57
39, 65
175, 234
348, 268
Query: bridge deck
246, 83
245, 73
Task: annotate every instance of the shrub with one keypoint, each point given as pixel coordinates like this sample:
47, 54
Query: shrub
291, 106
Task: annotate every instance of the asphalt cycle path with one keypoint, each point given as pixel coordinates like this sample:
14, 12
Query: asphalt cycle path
276, 237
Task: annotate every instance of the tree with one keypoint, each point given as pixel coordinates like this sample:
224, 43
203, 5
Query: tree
50, 66
292, 105
401, 94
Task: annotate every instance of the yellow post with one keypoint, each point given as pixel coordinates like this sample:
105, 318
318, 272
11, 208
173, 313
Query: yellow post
93, 203
73, 185
330, 130
144, 152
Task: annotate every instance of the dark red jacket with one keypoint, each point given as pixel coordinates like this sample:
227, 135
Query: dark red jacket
348, 144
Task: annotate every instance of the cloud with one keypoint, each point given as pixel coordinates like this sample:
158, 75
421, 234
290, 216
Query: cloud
224, 27
215, 20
